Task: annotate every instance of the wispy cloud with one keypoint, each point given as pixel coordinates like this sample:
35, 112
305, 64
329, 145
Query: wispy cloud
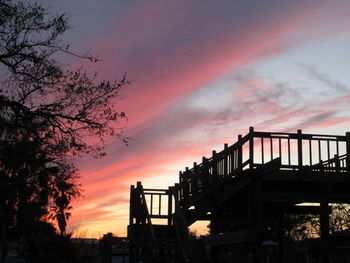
325, 78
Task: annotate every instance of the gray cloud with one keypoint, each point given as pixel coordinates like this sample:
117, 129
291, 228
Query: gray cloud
325, 78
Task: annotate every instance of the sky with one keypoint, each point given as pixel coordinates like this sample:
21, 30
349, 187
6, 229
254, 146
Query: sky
201, 73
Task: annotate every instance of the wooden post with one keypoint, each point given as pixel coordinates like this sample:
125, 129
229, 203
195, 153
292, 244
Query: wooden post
194, 179
255, 217
132, 205
137, 205
180, 178
262, 150
140, 209
225, 161
300, 150
324, 220
181, 185
259, 219
186, 185
251, 147
214, 222
281, 238
240, 153
324, 223
205, 173
348, 152
177, 190
170, 206
179, 219
215, 167
233, 162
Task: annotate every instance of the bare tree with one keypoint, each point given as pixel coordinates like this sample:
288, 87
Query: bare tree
300, 227
48, 114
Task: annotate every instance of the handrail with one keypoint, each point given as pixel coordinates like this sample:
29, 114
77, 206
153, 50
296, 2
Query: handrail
296, 151
333, 160
231, 148
295, 136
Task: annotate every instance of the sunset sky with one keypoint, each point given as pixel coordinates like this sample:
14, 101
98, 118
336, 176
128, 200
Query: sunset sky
201, 73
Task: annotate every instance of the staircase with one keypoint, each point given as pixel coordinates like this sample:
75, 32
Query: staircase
246, 189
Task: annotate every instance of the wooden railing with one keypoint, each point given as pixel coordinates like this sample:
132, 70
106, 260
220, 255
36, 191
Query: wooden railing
221, 165
336, 164
160, 204
139, 214
296, 151
150, 203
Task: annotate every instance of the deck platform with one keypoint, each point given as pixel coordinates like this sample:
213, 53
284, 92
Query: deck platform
246, 189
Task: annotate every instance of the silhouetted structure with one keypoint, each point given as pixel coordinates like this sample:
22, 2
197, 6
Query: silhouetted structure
245, 190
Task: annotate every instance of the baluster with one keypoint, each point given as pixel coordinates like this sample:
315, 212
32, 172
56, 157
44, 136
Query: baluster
271, 149
319, 151
181, 183
232, 162
187, 185
289, 151
226, 155
195, 179
337, 162
310, 151
170, 205
178, 192
262, 150
215, 167
160, 204
132, 205
300, 150
251, 147
280, 148
337, 145
328, 151
205, 169
348, 152
240, 153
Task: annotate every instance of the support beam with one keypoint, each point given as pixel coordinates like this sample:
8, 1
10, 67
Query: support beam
324, 220
306, 209
258, 218
304, 197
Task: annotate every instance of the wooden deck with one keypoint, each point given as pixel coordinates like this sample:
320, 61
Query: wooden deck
248, 187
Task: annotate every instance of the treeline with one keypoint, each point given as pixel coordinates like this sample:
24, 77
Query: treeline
49, 115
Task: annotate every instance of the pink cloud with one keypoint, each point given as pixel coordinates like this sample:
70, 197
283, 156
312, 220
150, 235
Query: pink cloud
162, 71
169, 53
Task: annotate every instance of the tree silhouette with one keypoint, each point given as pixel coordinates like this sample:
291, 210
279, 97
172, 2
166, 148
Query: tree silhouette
48, 114
65, 190
300, 227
